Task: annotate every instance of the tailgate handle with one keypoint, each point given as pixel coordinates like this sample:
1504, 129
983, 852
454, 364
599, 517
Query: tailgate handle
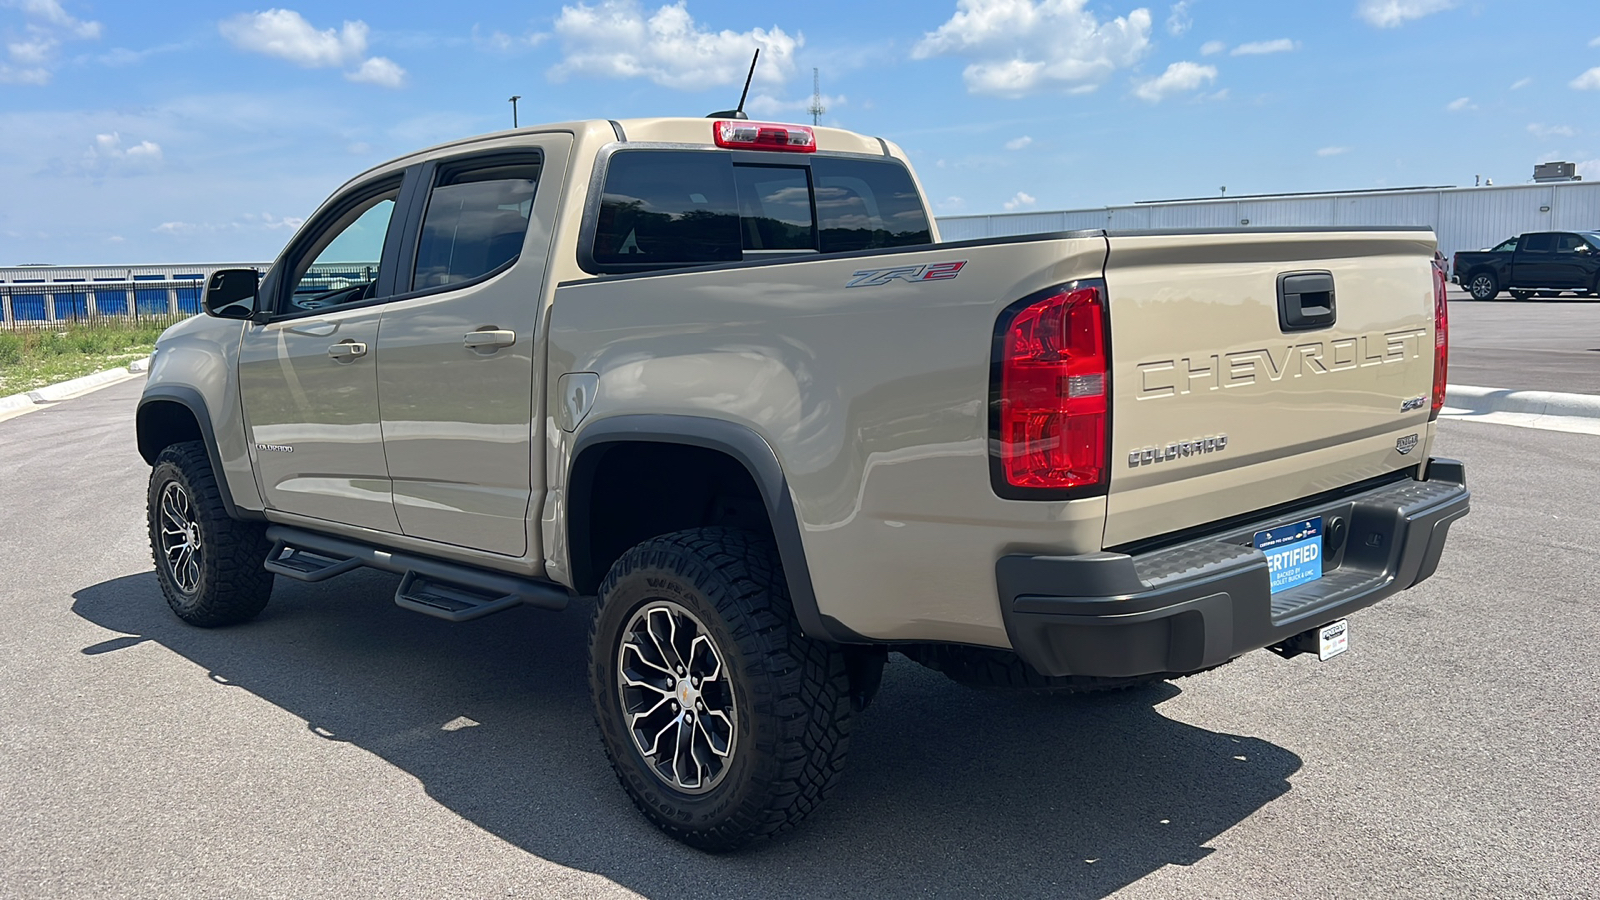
1305, 301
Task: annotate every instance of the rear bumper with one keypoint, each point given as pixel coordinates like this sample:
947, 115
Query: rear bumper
1204, 602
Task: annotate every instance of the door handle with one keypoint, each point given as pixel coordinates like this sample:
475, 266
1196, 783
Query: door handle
347, 350
489, 339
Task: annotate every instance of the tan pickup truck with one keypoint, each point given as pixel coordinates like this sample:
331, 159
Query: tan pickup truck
724, 378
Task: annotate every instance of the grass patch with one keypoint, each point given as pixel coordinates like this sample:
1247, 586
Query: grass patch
33, 358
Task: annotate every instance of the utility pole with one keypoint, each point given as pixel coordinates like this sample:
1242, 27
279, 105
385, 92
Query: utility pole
816, 109
514, 99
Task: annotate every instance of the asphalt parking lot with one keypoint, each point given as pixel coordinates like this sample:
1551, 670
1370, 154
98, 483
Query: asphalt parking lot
1541, 344
342, 747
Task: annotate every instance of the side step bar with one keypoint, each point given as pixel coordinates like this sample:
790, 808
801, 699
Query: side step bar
434, 587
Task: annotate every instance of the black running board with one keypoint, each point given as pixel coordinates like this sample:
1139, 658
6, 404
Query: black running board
433, 587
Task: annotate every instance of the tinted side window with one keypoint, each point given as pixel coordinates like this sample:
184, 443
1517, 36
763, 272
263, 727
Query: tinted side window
867, 205
668, 207
1538, 243
475, 222
1568, 243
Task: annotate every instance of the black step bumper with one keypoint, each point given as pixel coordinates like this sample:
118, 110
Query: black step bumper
1201, 603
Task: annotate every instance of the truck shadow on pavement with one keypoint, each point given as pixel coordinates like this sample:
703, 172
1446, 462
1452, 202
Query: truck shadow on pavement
948, 791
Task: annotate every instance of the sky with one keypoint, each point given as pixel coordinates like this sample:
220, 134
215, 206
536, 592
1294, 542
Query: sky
181, 131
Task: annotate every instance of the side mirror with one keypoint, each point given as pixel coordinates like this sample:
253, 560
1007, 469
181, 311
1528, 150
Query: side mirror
232, 293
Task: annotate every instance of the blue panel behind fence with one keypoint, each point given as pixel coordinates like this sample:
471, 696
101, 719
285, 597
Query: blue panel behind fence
72, 306
111, 303
27, 307
189, 299
152, 302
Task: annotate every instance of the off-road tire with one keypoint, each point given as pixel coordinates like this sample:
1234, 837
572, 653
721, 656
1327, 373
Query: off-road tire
791, 699
1483, 286
1004, 670
231, 585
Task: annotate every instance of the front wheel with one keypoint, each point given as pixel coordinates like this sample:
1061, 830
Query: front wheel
723, 722
209, 565
1483, 286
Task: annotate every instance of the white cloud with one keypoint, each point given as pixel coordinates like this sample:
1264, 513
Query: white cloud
1589, 169
1547, 131
616, 40
500, 42
1018, 143
109, 155
380, 71
951, 204
1212, 48
48, 13
175, 228
1179, 77
1333, 151
1394, 13
1460, 103
1595, 42
1020, 200
1017, 47
1521, 83
30, 60
1588, 81
1178, 19
1261, 48
285, 34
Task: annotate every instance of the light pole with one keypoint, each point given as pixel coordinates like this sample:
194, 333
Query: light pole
514, 99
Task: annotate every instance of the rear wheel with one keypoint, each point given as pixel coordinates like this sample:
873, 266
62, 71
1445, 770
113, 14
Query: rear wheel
723, 722
209, 565
1484, 286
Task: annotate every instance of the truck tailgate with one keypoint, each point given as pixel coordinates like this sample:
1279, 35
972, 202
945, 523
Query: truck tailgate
1222, 407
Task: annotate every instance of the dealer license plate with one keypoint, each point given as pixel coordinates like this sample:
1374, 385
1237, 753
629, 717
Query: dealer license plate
1294, 553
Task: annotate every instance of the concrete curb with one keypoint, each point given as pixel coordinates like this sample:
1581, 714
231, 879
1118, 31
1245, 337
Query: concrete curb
1482, 400
72, 387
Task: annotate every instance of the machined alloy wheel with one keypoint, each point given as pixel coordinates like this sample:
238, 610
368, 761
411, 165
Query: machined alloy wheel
1483, 286
724, 722
678, 697
209, 565
181, 545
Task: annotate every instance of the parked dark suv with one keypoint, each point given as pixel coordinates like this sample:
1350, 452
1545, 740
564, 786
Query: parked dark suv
1542, 262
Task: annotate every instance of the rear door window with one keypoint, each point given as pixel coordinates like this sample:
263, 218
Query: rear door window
1538, 243
475, 222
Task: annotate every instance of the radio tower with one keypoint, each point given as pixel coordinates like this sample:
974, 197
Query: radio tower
816, 109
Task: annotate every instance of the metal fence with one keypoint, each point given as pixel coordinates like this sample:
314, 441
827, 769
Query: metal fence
46, 304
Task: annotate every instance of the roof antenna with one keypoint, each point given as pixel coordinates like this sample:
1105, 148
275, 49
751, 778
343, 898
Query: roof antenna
738, 112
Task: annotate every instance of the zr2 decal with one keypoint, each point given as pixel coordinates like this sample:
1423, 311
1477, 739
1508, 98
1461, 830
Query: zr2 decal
913, 274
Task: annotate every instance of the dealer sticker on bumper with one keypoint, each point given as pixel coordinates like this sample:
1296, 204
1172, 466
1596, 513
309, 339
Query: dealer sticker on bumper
1294, 553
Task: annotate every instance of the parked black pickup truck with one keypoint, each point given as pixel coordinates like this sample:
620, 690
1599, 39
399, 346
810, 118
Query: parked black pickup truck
1547, 262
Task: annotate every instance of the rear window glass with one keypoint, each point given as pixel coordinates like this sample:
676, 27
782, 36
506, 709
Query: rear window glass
475, 223
668, 208
864, 205
664, 208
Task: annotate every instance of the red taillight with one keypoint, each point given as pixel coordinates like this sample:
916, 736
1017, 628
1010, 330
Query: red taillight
764, 136
1441, 341
1053, 384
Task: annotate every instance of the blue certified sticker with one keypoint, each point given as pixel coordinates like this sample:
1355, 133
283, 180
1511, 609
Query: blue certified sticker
1294, 553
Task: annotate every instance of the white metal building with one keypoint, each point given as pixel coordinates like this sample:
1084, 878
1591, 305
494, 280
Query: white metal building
1463, 218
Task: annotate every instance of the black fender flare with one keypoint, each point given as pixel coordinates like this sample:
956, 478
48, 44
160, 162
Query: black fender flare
738, 442
189, 398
